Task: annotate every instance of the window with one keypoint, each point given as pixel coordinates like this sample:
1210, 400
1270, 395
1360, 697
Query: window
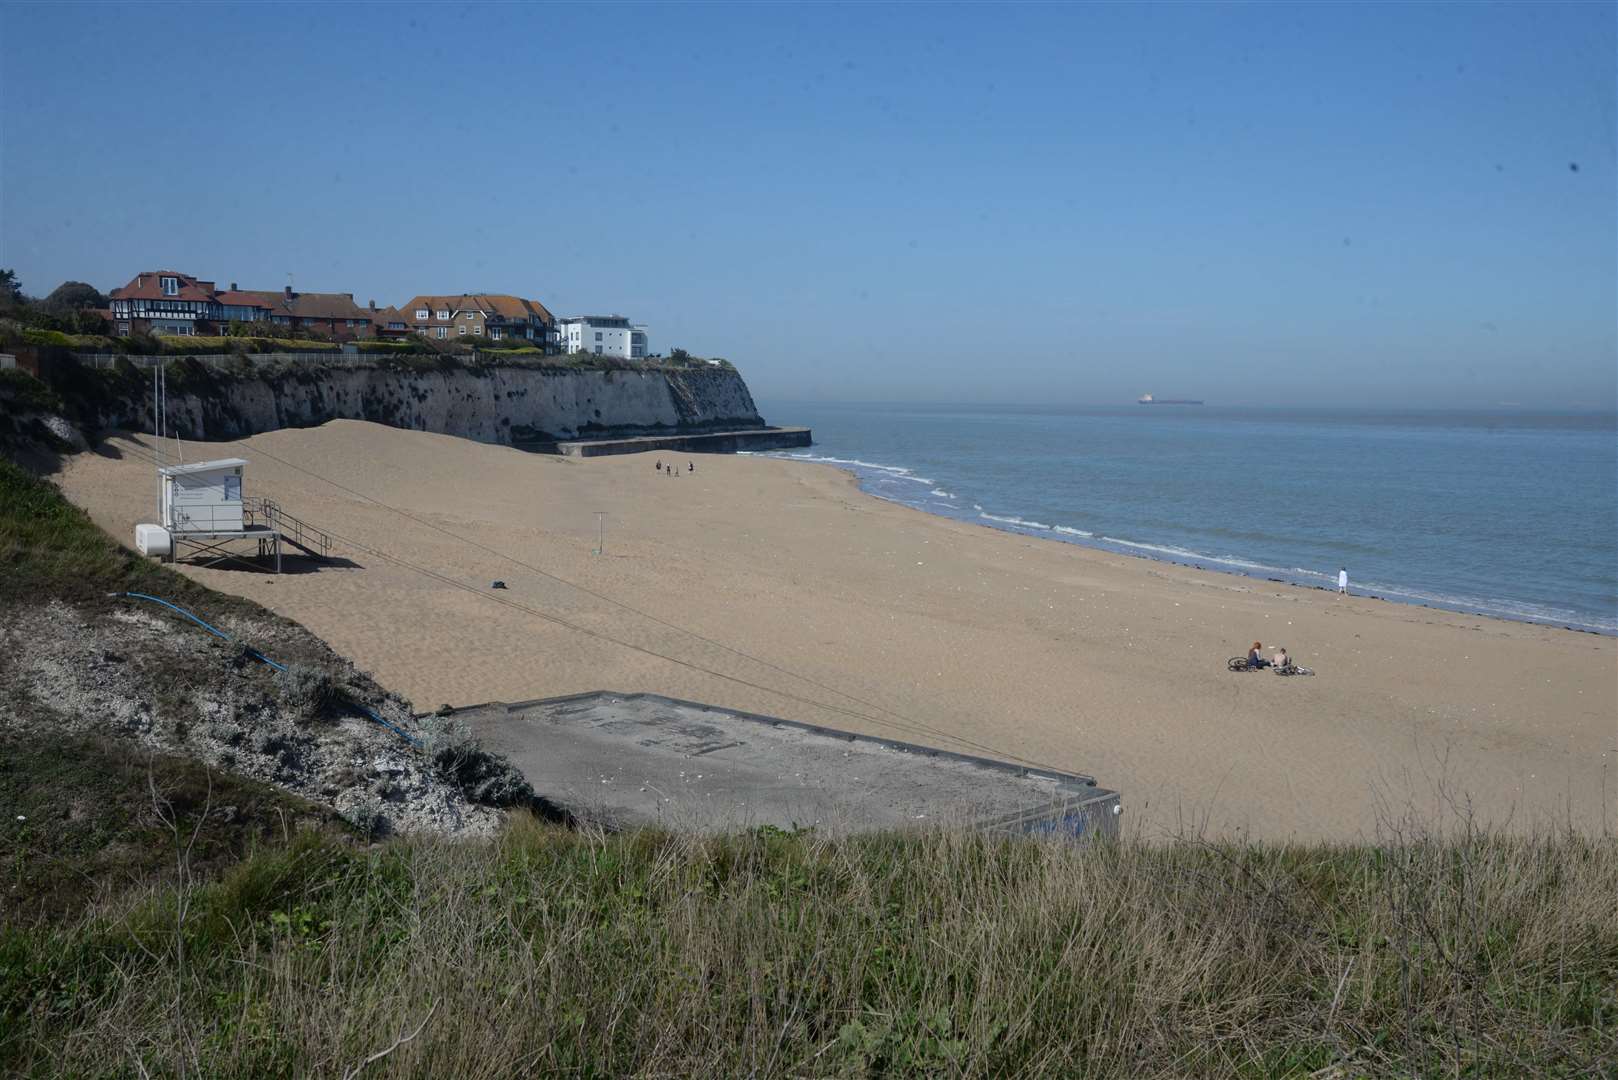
443, 315
496, 333
478, 330
443, 331
423, 314
598, 335
598, 350
171, 286
123, 329
462, 329
469, 315
233, 489
396, 326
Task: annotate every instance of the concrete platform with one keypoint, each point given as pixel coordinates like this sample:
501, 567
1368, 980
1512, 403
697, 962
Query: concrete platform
641, 759
713, 442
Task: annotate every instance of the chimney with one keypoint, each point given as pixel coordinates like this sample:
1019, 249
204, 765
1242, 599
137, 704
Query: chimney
286, 290
140, 279
234, 287
373, 305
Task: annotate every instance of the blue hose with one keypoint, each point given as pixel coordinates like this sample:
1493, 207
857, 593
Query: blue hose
218, 633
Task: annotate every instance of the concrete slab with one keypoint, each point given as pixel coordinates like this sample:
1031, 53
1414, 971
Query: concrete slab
712, 442
642, 759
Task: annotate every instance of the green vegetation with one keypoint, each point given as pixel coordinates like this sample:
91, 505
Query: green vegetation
87, 820
765, 953
50, 548
22, 392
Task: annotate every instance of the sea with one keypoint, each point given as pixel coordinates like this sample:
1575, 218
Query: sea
1507, 512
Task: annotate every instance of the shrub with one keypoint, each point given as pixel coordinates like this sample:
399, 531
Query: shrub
46, 337
308, 692
483, 776
23, 393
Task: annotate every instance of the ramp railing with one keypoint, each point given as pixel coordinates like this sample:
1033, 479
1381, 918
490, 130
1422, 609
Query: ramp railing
300, 534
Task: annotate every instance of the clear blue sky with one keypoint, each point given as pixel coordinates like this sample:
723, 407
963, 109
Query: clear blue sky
1252, 204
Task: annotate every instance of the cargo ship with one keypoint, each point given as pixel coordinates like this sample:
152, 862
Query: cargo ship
1148, 399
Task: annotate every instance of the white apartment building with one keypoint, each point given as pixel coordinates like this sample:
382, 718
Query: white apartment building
603, 335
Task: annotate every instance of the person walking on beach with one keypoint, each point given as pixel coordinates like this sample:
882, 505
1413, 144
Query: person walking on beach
1342, 580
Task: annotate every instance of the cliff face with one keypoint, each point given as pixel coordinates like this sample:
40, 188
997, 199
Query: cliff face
496, 404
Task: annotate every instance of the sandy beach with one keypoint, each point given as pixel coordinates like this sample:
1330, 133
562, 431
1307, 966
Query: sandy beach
865, 615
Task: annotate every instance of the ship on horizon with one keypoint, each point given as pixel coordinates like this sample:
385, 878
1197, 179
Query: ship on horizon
1148, 399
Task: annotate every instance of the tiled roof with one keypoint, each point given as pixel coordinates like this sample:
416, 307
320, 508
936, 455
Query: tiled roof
301, 305
506, 307
240, 298
147, 286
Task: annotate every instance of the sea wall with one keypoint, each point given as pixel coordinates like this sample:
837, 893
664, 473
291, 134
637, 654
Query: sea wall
488, 402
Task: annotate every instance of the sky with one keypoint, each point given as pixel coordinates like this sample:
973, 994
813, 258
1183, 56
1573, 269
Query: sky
1252, 204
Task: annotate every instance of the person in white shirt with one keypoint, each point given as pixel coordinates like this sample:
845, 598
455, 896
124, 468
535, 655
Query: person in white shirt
1342, 580
1281, 659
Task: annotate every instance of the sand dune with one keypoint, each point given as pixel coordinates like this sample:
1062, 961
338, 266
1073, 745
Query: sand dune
865, 615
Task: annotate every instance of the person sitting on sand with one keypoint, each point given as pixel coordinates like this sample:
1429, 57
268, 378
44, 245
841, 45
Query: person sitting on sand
1281, 659
659, 466
1254, 660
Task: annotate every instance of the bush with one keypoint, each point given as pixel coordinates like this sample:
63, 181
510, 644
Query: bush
21, 392
46, 337
482, 775
309, 693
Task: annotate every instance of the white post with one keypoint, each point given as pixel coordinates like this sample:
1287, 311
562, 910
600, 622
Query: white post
600, 533
157, 450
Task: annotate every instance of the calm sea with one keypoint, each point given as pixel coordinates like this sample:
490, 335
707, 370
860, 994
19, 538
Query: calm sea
1509, 513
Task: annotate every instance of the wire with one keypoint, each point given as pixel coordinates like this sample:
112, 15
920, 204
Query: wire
216, 632
902, 722
899, 721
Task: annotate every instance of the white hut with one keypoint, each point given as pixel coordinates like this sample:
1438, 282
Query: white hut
203, 498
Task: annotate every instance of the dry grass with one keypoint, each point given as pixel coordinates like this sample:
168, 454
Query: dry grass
927, 954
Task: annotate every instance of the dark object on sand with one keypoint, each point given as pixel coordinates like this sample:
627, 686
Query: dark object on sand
497, 584
1240, 663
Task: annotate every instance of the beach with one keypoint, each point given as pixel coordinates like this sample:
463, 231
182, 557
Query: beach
777, 587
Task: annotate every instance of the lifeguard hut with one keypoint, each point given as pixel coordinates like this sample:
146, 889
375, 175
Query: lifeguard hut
203, 513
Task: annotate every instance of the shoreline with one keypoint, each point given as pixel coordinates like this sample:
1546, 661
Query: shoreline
1016, 526
755, 585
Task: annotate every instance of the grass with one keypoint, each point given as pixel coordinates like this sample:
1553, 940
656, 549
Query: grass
552, 952
88, 819
49, 547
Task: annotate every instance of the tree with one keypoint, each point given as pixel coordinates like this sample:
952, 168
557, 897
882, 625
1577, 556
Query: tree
10, 287
72, 296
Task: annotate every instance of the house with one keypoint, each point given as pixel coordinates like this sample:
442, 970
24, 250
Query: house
603, 335
332, 315
164, 302
389, 323
169, 302
493, 316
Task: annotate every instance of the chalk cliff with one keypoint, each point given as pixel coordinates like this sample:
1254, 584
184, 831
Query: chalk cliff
488, 402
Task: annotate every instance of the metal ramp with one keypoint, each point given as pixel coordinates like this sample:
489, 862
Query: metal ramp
300, 534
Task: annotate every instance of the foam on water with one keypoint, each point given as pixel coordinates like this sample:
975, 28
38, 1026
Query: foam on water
1172, 490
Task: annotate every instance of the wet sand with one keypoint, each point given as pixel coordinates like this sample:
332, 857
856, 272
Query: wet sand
865, 615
